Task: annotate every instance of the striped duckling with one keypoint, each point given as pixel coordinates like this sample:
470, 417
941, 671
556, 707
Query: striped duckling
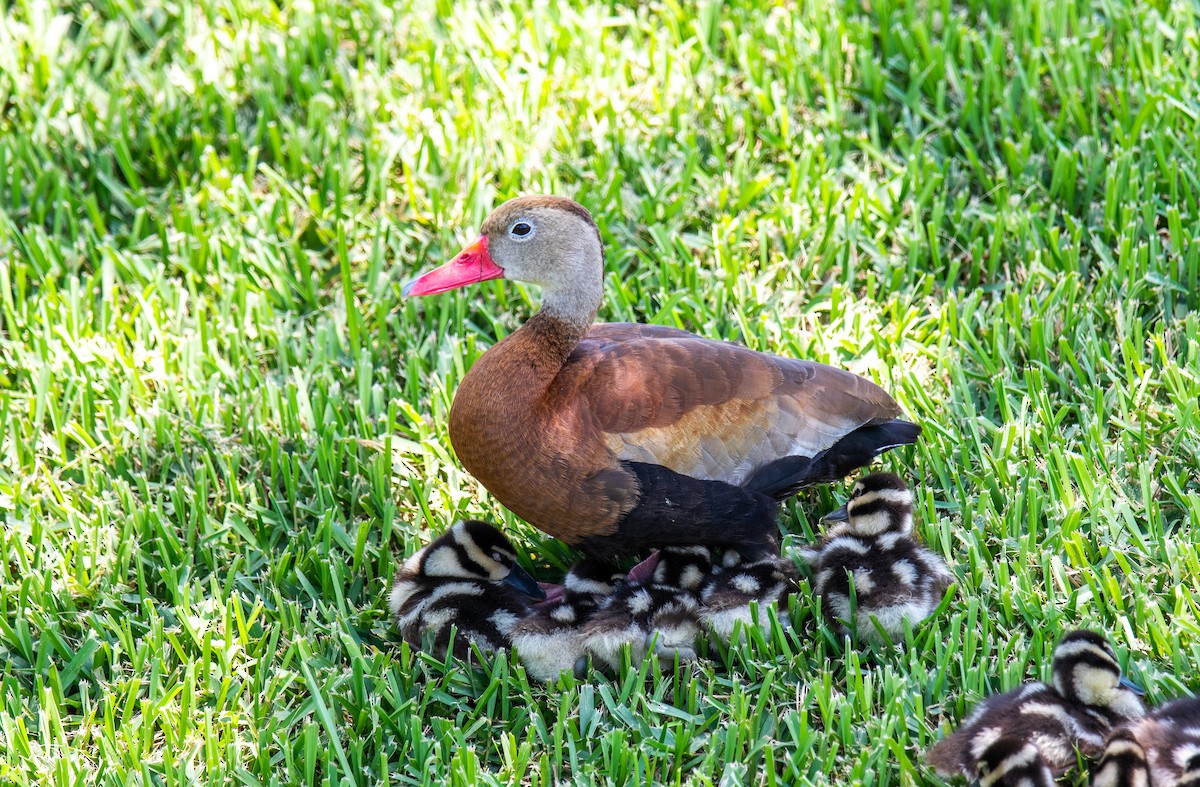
1161, 749
663, 615
1087, 697
550, 640
895, 578
728, 592
1013, 762
467, 578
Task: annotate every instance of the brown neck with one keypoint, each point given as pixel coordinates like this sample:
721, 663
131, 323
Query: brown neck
502, 425
512, 378
552, 337
515, 426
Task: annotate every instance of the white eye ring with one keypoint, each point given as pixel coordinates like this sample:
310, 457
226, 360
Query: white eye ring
522, 224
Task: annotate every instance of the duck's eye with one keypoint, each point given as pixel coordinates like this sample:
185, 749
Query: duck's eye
521, 229
497, 557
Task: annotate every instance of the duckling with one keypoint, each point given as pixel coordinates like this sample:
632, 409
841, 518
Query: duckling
1125, 762
1013, 762
1161, 749
727, 593
663, 614
1086, 698
895, 578
550, 639
468, 578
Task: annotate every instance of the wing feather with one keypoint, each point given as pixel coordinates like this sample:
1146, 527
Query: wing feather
711, 409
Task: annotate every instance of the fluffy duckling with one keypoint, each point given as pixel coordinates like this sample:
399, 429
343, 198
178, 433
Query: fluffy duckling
1086, 698
1012, 762
663, 614
1161, 749
727, 593
550, 639
895, 578
469, 578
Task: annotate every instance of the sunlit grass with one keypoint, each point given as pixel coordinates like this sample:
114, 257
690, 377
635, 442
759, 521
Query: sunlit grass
220, 426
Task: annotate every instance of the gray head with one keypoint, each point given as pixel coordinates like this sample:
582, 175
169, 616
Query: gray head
471, 549
551, 242
548, 241
1087, 671
879, 503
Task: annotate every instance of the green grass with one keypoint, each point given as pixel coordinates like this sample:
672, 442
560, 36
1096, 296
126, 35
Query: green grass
220, 426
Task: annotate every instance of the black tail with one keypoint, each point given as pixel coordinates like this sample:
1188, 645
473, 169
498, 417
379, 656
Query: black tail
785, 477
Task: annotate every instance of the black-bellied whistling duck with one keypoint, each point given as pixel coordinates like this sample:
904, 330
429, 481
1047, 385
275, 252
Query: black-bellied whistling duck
468, 579
896, 579
1161, 749
619, 437
1086, 699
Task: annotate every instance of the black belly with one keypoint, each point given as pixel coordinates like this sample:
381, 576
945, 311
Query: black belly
677, 510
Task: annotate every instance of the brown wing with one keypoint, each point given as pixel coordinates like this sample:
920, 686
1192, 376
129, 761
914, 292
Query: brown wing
620, 332
711, 409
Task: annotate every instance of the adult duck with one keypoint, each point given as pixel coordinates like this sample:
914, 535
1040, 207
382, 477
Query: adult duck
619, 437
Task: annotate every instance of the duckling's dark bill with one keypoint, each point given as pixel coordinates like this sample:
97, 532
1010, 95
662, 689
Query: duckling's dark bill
520, 579
837, 515
1135, 688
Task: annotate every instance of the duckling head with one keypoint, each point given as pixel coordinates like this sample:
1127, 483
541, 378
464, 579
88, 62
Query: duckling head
1124, 762
472, 550
1086, 670
879, 503
593, 577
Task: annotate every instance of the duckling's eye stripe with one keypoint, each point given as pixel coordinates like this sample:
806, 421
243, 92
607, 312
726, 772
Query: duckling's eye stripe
888, 495
874, 505
1090, 657
471, 551
1075, 647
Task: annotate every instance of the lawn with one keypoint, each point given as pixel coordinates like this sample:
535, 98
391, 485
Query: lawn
221, 426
